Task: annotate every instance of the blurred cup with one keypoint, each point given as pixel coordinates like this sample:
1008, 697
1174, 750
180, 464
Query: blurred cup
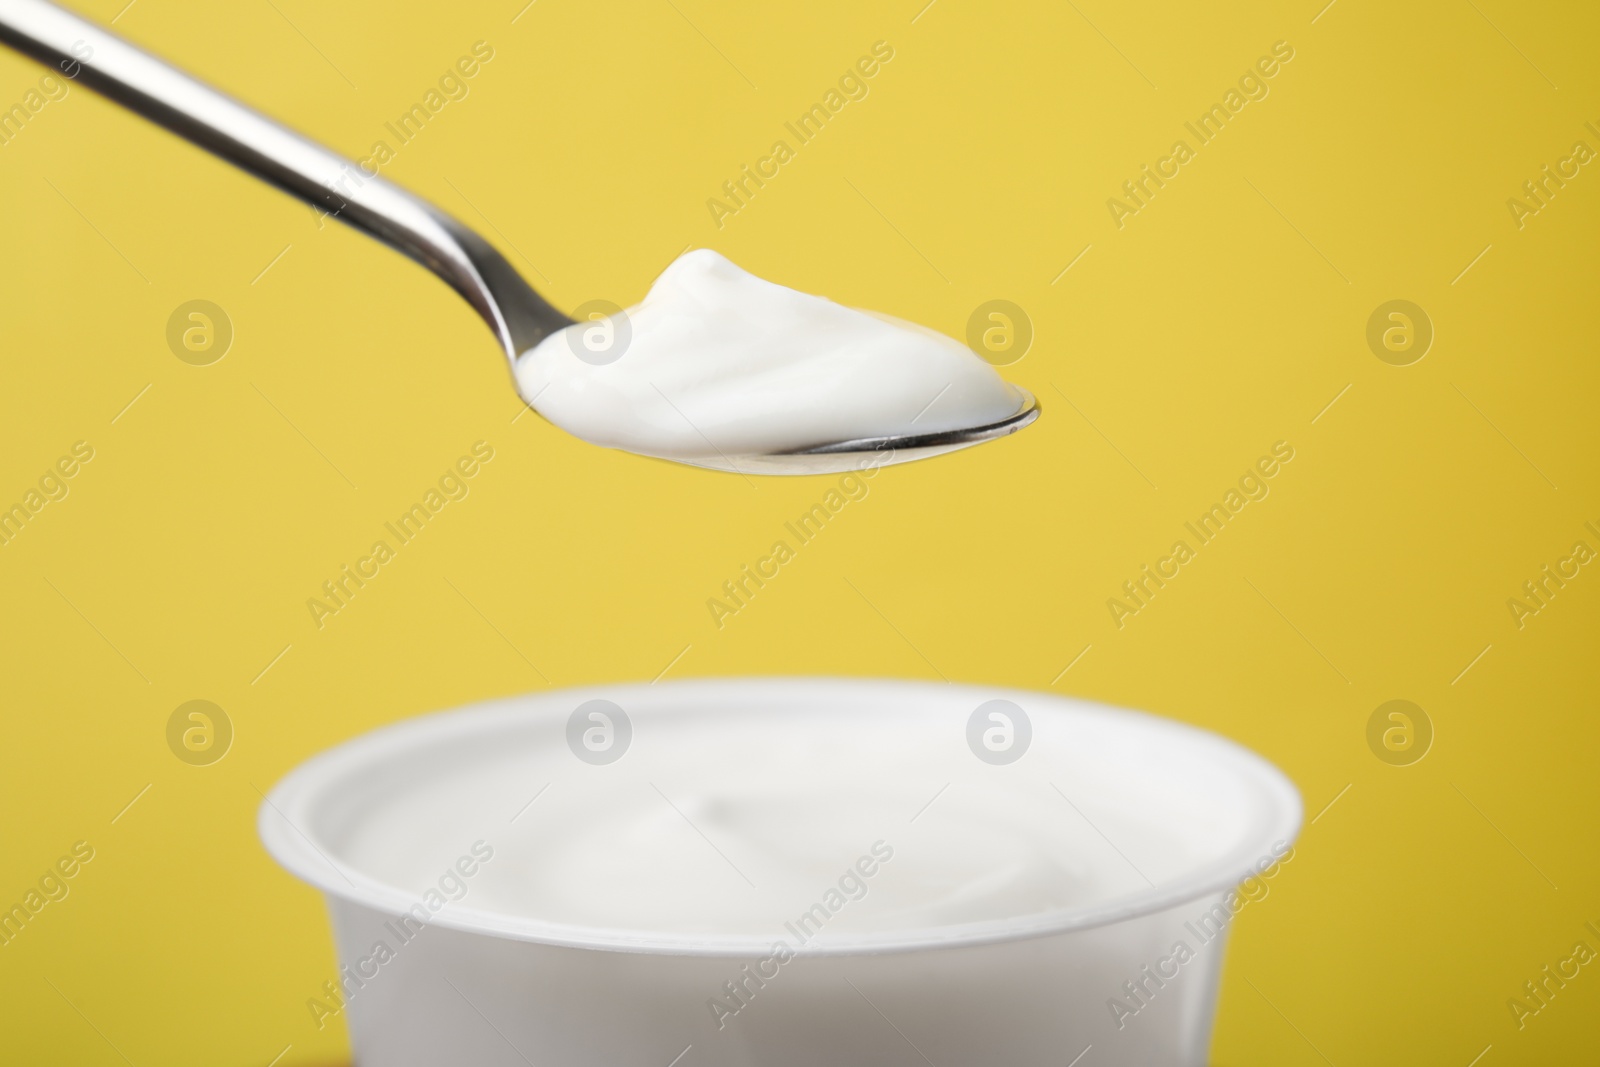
780, 872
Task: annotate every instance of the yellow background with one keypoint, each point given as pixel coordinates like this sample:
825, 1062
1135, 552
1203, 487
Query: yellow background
1223, 317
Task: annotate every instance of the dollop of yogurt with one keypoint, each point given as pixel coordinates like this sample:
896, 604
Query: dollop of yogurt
717, 363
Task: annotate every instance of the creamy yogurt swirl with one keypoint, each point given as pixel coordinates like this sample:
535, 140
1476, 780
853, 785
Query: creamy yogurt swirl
716, 362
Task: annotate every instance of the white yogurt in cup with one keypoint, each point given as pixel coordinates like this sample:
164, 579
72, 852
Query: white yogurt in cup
780, 872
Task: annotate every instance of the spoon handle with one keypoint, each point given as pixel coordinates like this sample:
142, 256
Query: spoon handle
104, 62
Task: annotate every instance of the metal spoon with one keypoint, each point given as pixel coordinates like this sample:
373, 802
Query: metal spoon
519, 317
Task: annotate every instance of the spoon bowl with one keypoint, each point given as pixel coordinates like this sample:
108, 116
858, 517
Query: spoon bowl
864, 453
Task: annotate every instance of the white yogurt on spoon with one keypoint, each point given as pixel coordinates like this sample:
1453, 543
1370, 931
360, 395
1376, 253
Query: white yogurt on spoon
717, 363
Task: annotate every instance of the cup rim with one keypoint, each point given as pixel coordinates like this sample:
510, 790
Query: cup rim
282, 814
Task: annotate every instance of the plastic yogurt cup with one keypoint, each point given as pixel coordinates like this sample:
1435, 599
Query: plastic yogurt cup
780, 872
